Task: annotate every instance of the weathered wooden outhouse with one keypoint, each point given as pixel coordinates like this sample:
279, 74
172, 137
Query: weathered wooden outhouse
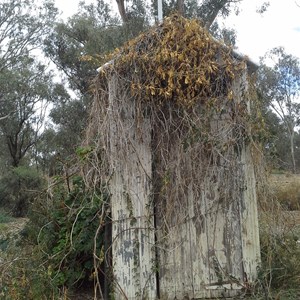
172, 122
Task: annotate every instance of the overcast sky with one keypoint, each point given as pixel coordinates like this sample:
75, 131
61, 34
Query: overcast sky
256, 34
278, 26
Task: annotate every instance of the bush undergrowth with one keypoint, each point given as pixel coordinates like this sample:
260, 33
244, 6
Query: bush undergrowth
280, 261
59, 244
68, 236
279, 275
18, 187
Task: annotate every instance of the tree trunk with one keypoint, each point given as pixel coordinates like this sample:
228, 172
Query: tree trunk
292, 151
122, 11
210, 10
180, 7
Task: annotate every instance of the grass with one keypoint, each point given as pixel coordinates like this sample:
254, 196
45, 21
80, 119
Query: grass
291, 294
279, 277
286, 188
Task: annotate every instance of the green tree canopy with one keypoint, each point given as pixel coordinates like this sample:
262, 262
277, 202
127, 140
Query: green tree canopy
23, 27
26, 89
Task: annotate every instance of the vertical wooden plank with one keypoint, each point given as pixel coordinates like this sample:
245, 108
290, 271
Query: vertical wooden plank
223, 234
174, 237
200, 257
248, 204
131, 205
249, 220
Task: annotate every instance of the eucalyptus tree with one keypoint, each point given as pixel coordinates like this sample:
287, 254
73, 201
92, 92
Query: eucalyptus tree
26, 90
23, 26
77, 47
279, 86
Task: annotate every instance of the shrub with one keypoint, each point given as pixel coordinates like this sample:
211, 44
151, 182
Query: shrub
280, 261
18, 188
25, 277
69, 225
62, 246
279, 275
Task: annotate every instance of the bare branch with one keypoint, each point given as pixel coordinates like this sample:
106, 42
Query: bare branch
5, 117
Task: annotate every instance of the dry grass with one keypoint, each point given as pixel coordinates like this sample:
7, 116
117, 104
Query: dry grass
279, 235
287, 190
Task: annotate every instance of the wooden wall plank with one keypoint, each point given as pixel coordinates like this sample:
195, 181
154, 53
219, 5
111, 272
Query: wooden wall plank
131, 202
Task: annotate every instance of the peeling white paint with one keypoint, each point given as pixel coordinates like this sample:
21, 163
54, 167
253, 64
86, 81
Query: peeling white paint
210, 247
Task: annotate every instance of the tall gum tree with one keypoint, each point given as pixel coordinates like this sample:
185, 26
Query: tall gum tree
279, 86
26, 90
23, 26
